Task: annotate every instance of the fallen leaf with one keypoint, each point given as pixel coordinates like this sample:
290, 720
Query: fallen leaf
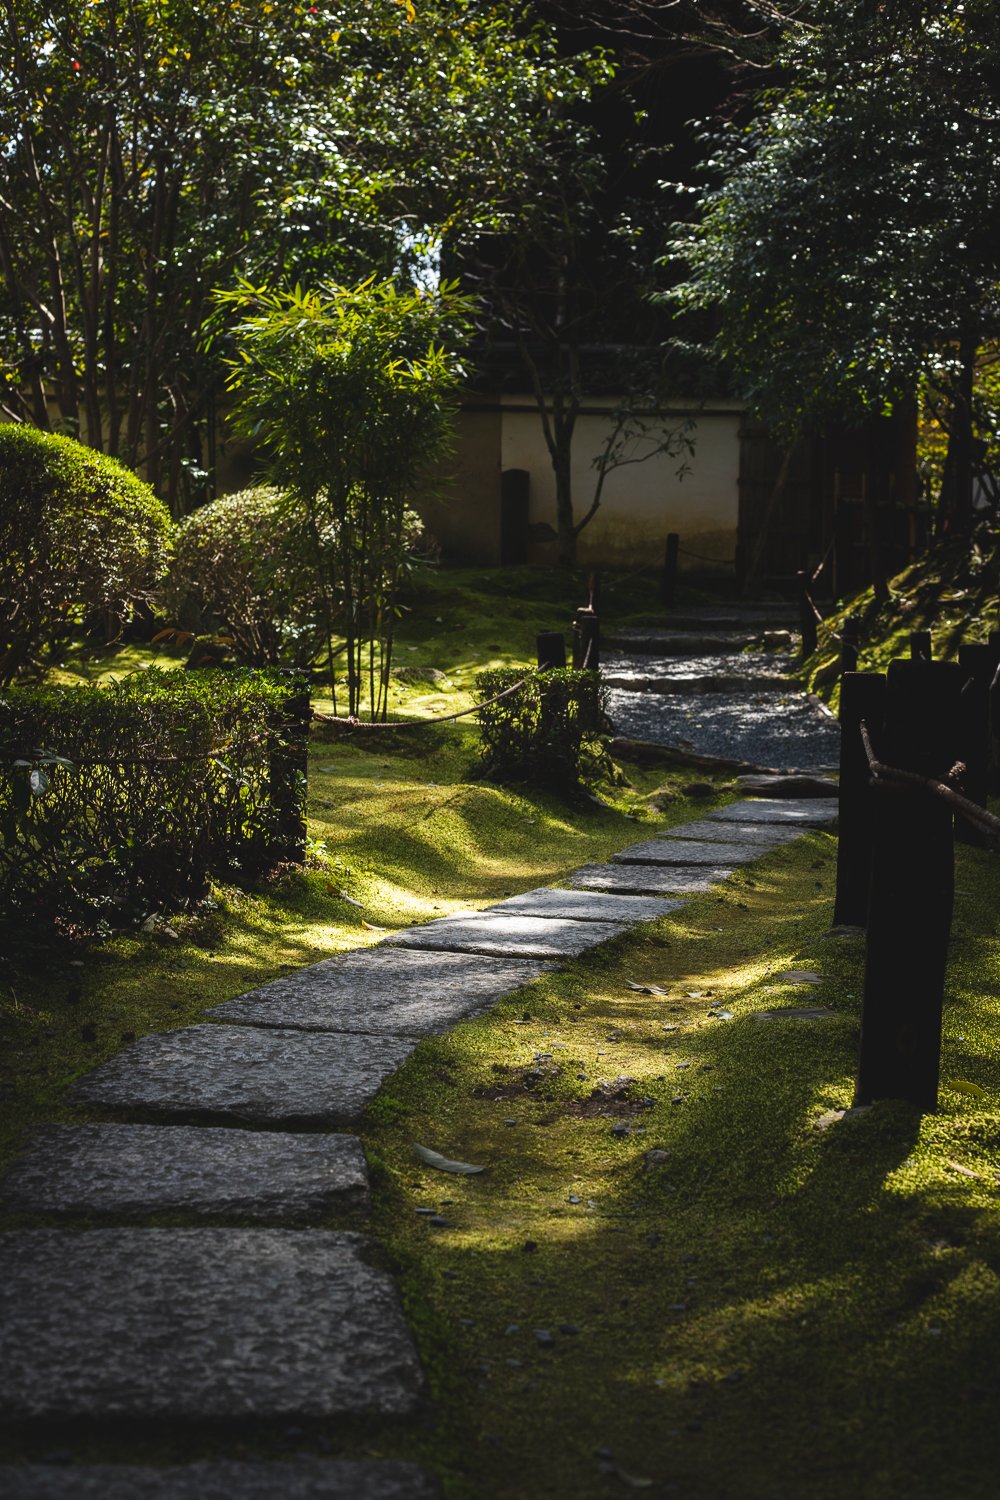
956, 1166
694, 994
647, 989
444, 1164
962, 1086
633, 1481
721, 1015
370, 926
349, 899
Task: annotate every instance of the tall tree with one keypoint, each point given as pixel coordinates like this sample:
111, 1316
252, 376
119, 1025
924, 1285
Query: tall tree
152, 151
849, 248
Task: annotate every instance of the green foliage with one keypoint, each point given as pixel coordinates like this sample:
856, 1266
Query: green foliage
78, 533
850, 244
117, 801
152, 152
246, 562
350, 389
538, 733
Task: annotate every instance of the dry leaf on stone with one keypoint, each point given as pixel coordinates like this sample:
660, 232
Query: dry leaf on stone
444, 1164
962, 1086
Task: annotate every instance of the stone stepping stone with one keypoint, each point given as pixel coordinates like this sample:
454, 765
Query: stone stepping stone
794, 1013
649, 880
397, 991
814, 812
687, 852
596, 906
243, 1074
525, 937
129, 1171
192, 1325
302, 1480
764, 836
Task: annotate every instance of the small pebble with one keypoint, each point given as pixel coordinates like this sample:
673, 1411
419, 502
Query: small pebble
515, 1364
438, 1222
619, 1130
510, 1122
529, 1246
544, 1338
512, 1328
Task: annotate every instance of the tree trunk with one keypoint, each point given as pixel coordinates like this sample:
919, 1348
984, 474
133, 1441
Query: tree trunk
957, 481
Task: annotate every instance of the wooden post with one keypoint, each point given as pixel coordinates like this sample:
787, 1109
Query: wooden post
912, 891
288, 763
976, 664
862, 697
850, 644
668, 582
807, 615
920, 646
551, 648
586, 641
594, 592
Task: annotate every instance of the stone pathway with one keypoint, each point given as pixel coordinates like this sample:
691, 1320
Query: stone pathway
254, 1316
693, 685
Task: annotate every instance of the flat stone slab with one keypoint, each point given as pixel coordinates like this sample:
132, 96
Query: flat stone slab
597, 906
649, 880
687, 852
396, 991
524, 937
243, 1074
764, 835
812, 812
128, 1171
304, 1480
196, 1324
795, 1013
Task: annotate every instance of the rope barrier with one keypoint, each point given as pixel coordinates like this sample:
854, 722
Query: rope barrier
982, 819
355, 723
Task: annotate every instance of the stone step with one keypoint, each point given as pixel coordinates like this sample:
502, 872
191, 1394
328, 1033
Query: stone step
193, 1325
664, 851
521, 936
773, 786
304, 1479
394, 991
246, 1075
649, 880
816, 812
698, 641
586, 906
130, 1171
763, 836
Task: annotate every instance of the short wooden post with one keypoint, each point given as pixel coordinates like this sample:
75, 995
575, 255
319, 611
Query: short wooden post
551, 648
920, 646
288, 764
976, 665
850, 643
912, 891
668, 582
586, 641
862, 697
807, 615
594, 592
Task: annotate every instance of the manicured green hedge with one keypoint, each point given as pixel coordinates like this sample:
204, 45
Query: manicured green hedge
119, 801
538, 733
79, 534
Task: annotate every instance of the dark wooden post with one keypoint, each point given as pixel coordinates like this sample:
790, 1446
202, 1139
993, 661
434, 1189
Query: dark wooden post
551, 648
862, 697
594, 592
288, 764
920, 646
976, 665
668, 582
912, 891
586, 641
850, 643
807, 615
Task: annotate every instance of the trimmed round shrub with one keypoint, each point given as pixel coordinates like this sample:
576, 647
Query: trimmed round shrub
245, 564
79, 533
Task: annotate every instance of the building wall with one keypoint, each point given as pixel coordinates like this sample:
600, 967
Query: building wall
641, 502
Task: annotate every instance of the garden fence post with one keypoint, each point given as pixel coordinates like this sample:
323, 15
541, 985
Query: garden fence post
586, 641
850, 643
976, 663
288, 759
551, 648
862, 697
807, 615
668, 580
912, 891
920, 646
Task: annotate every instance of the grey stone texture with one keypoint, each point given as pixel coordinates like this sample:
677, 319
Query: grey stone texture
649, 880
515, 936
301, 1480
764, 835
130, 1171
199, 1324
245, 1074
687, 852
398, 991
812, 812
582, 906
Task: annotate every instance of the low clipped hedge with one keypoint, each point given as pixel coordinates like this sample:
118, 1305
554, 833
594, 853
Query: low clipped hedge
79, 533
120, 801
539, 733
